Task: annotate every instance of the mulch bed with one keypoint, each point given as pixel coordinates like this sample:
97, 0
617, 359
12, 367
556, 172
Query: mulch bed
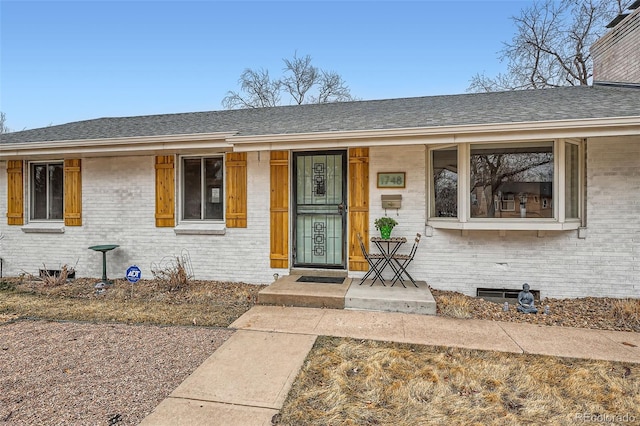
587, 312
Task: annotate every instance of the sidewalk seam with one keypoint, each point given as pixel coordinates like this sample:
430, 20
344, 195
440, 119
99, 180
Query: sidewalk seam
315, 327
512, 339
223, 403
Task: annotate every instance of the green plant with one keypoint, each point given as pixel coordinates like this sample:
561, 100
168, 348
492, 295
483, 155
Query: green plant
385, 221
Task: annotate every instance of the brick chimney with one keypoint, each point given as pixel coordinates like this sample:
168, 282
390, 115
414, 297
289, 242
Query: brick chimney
616, 55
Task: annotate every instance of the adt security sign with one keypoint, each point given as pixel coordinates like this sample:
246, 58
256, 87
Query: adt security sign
133, 274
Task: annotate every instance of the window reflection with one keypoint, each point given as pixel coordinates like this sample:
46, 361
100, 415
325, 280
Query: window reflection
47, 191
511, 182
203, 185
445, 182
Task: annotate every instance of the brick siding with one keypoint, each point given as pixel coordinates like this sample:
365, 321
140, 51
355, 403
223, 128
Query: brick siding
616, 56
118, 208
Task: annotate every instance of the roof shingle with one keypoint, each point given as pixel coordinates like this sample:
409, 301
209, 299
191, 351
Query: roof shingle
566, 103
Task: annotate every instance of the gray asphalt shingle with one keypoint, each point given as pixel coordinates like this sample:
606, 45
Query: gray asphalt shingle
566, 103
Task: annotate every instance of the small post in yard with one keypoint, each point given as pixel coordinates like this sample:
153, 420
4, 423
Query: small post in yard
133, 276
104, 249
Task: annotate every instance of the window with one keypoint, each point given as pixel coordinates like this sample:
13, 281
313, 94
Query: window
572, 180
507, 203
445, 182
508, 174
203, 188
526, 185
47, 191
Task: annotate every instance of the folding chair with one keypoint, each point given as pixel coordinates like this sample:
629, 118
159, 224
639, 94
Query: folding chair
403, 260
374, 260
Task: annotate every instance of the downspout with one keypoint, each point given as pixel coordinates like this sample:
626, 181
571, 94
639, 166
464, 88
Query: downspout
583, 220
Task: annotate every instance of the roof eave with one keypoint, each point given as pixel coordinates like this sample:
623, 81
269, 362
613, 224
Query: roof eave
496, 132
227, 141
138, 145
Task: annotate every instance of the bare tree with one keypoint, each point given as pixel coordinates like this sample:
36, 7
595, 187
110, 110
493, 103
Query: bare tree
301, 82
3, 127
551, 45
258, 88
300, 77
332, 89
490, 171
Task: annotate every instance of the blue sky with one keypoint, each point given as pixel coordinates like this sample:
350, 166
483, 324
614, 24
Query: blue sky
64, 61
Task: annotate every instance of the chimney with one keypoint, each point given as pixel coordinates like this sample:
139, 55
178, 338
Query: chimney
616, 55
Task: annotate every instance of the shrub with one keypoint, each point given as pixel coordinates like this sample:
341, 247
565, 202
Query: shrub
50, 279
455, 305
627, 312
174, 272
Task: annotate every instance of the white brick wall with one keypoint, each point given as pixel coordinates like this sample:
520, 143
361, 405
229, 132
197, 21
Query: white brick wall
118, 208
411, 217
559, 264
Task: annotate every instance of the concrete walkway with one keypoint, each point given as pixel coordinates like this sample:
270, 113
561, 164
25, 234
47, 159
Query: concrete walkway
245, 382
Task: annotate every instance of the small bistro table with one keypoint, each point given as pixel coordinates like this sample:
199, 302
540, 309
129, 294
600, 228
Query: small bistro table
388, 247
104, 249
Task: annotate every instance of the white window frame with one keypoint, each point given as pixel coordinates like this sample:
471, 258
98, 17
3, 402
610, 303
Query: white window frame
464, 220
508, 200
200, 226
30, 194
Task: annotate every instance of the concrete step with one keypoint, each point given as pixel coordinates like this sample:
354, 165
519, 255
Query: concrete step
286, 291
318, 272
409, 300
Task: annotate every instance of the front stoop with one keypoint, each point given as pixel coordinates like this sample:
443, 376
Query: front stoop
286, 291
409, 300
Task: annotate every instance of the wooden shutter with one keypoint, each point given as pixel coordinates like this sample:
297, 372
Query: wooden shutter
15, 193
279, 209
165, 191
358, 206
72, 193
236, 170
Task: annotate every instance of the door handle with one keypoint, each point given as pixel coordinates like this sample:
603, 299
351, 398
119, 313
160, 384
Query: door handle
341, 208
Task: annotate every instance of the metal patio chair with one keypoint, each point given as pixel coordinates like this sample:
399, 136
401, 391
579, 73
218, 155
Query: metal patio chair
374, 260
403, 260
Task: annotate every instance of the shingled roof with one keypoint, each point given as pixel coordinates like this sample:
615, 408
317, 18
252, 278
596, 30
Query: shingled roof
566, 103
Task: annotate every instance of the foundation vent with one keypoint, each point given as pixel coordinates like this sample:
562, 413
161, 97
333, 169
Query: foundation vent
503, 294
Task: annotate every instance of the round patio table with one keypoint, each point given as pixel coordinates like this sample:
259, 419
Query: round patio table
104, 248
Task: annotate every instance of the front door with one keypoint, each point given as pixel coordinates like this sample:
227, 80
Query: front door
319, 209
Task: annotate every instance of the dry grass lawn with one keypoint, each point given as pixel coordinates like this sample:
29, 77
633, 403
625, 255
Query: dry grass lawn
207, 303
353, 382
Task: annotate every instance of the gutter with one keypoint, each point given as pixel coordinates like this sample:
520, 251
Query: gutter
231, 141
138, 145
494, 132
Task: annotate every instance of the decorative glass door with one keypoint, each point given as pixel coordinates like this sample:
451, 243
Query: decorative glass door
319, 209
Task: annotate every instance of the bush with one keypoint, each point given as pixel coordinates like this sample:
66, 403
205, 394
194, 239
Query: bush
455, 305
174, 272
50, 279
627, 312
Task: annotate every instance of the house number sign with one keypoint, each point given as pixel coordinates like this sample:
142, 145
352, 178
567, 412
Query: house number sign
391, 180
